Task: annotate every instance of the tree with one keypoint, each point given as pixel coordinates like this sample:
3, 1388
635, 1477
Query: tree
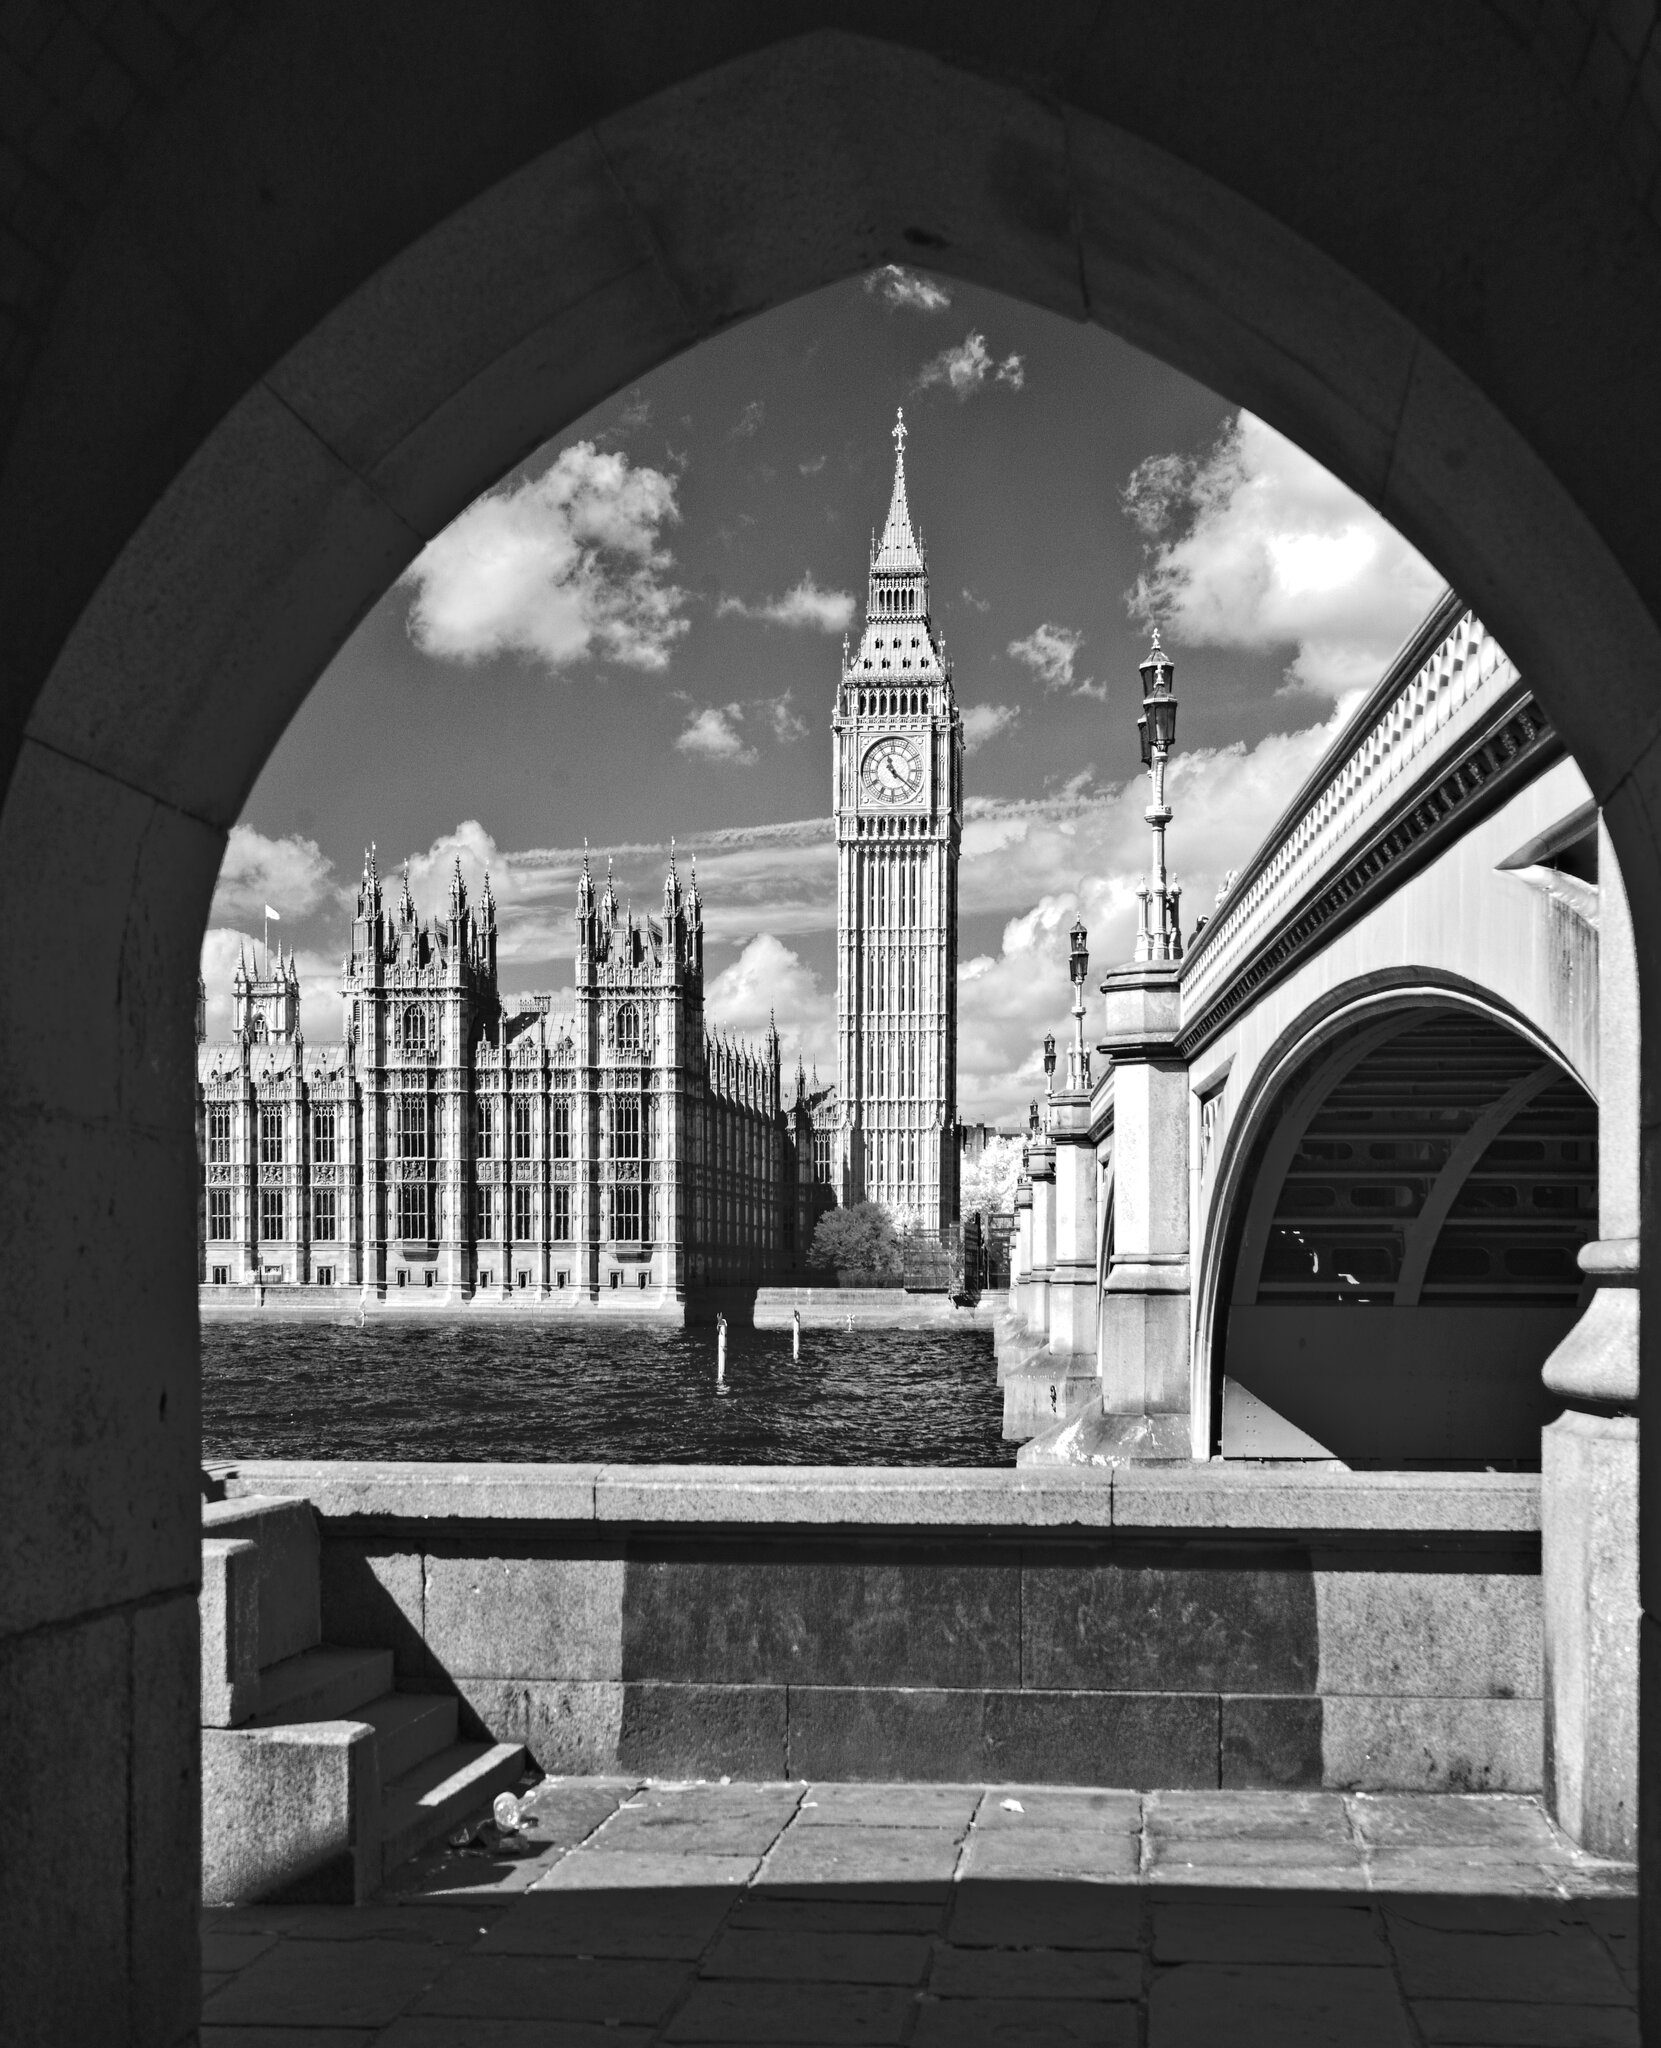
989, 1181
859, 1239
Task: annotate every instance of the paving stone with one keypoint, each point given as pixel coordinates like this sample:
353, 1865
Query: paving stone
860, 1855
1175, 1878
215, 1980
819, 1956
781, 2014
1293, 1852
1275, 1817
1275, 2005
1494, 1913
1598, 1880
1560, 1966
454, 1877
446, 2031
1003, 1914
1051, 1852
1472, 2023
440, 1925
287, 2037
1458, 1870
227, 1951
698, 1802
1515, 1828
1044, 1806
635, 1991
329, 1983
891, 1913
638, 1871
1025, 2023
1036, 1973
568, 1813
1308, 1932
660, 1834
889, 1806
680, 1922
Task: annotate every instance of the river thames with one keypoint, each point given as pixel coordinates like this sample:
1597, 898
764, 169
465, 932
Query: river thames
611, 1391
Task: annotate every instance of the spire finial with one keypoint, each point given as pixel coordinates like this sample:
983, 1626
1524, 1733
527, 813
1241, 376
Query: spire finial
899, 431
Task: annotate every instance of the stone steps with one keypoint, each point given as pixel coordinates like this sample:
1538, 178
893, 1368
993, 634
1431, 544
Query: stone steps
322, 1685
440, 1792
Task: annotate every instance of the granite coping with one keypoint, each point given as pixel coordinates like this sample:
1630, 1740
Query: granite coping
1175, 1497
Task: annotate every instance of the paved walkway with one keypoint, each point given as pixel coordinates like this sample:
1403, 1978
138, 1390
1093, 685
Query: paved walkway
950, 1916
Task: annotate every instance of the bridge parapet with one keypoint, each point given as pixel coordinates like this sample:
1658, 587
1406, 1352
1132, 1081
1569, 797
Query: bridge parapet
1443, 690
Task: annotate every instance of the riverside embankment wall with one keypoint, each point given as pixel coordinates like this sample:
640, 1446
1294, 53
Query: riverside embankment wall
1177, 1626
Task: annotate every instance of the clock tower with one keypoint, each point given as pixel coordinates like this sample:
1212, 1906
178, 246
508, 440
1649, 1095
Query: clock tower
898, 751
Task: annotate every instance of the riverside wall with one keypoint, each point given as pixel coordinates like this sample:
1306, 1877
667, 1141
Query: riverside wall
1177, 1626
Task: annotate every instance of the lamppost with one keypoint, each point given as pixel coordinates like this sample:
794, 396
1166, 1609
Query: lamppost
1159, 932
1078, 964
1049, 1073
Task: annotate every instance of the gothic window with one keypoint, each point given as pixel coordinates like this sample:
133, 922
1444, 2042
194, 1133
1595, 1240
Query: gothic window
412, 1209
219, 1213
625, 1127
324, 1215
415, 1029
412, 1127
559, 1138
271, 1137
562, 1212
628, 1029
487, 1134
323, 1138
822, 1157
219, 1133
522, 1213
484, 1213
271, 1213
625, 1213
522, 1127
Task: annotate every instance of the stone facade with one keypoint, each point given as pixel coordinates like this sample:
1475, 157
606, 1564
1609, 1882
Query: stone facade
457, 1145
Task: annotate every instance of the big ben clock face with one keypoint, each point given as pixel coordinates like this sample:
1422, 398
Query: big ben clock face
892, 772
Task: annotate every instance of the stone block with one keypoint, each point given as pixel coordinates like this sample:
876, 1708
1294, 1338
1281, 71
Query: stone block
166, 1817
1036, 1974
1545, 1966
1460, 2021
1046, 1806
818, 1956
1223, 1496
1267, 2005
1033, 1913
285, 1534
1191, 1619
635, 1871
1283, 1819
1268, 1932
1101, 1738
1076, 1854
420, 1491
1058, 2023
681, 1922
570, 1726
229, 1603
778, 2014
373, 1597
1437, 1745
1429, 1631
868, 1732
888, 1806
1271, 1743
522, 1611
292, 1810
1517, 1830
599, 1989
824, 1615
64, 1695
644, 1831
321, 1984
703, 1731
863, 1856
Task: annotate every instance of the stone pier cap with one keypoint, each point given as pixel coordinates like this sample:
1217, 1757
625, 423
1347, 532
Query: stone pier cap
1204, 1496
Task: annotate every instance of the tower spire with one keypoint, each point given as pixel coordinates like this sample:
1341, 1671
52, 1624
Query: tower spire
897, 553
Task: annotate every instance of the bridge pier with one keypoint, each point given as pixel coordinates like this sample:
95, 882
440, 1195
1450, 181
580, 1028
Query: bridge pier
1589, 1455
1072, 1321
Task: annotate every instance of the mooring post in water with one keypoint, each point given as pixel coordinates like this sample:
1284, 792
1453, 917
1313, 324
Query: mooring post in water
795, 1333
720, 1349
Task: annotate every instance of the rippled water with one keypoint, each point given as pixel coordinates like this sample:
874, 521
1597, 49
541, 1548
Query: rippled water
599, 1391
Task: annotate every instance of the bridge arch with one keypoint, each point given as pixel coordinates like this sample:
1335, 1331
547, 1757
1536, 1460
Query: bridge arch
1389, 1251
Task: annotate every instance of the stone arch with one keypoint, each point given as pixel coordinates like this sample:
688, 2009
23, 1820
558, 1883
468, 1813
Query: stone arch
343, 315
1326, 1200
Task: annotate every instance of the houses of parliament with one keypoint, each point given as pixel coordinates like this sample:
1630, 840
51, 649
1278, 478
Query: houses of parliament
458, 1144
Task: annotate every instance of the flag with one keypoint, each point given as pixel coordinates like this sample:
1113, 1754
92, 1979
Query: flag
275, 916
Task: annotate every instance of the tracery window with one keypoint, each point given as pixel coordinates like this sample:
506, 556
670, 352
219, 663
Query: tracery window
560, 1136
487, 1133
324, 1215
415, 1029
219, 1213
562, 1212
412, 1127
412, 1209
625, 1127
522, 1127
271, 1136
219, 1134
323, 1138
628, 1029
272, 1213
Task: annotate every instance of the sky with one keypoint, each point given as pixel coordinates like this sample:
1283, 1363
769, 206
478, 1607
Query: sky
635, 637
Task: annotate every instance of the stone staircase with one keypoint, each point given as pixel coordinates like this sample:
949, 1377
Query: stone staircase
318, 1777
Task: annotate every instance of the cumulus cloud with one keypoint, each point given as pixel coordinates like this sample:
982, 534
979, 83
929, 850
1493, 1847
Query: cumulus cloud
983, 722
223, 946
713, 735
966, 368
292, 874
823, 611
559, 567
1050, 652
979, 604
813, 465
750, 421
908, 290
769, 980
1253, 545
788, 725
